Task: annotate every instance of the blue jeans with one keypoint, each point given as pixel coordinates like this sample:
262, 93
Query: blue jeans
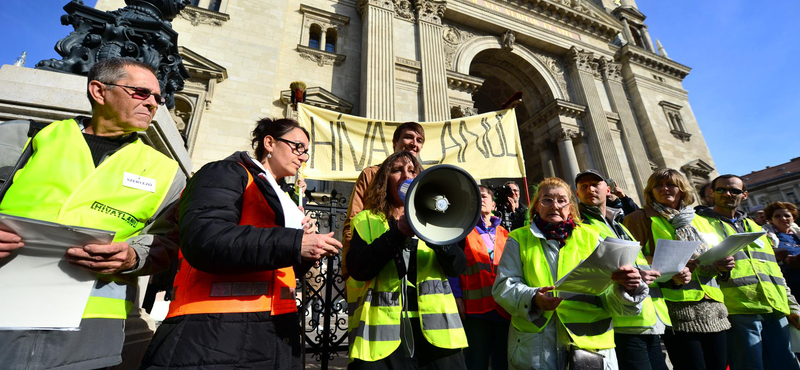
760, 341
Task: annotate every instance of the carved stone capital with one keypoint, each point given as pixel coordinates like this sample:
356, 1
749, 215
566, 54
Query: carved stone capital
431, 11
611, 71
320, 57
582, 61
382, 4
564, 134
459, 111
403, 9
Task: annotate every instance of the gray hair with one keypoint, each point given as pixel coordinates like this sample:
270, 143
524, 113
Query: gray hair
110, 71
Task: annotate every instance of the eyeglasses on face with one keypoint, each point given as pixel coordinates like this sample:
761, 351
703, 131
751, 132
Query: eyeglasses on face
550, 202
298, 148
140, 93
733, 191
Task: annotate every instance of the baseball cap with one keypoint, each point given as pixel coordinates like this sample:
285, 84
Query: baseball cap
589, 172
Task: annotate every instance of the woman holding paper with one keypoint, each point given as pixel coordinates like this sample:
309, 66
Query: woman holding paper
242, 241
406, 316
551, 330
694, 300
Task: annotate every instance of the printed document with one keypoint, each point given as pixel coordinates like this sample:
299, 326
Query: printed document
40, 289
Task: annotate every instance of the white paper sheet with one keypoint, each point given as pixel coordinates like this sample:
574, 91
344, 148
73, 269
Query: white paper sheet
40, 289
671, 257
593, 275
728, 247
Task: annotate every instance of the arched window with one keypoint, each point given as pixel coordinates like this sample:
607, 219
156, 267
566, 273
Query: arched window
214, 5
314, 36
330, 40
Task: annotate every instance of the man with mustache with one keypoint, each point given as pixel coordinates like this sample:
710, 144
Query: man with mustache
95, 172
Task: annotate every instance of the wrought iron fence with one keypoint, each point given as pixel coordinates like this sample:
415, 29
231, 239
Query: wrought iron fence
322, 304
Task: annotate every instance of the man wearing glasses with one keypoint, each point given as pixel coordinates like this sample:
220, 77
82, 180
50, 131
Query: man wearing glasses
95, 172
756, 295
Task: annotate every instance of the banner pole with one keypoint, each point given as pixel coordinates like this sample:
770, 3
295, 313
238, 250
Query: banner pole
527, 196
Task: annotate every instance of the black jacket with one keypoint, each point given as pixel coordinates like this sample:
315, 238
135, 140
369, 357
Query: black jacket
212, 241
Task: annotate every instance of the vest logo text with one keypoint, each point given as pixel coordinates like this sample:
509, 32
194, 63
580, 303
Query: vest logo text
122, 215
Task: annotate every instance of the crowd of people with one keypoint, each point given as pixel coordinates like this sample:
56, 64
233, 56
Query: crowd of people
488, 301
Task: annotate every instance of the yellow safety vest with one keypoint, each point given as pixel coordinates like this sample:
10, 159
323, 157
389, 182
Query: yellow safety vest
653, 306
374, 306
60, 183
700, 285
756, 284
585, 317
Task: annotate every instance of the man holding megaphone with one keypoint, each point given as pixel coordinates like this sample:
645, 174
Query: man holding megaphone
405, 315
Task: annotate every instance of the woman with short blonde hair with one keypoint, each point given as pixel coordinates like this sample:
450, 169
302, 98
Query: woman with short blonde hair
548, 327
694, 299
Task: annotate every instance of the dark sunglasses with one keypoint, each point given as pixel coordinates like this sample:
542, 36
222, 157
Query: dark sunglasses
721, 190
298, 148
141, 93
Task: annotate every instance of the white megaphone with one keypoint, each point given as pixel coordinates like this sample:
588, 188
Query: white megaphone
442, 204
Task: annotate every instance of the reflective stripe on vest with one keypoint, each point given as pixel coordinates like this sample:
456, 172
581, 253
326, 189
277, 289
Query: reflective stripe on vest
756, 285
699, 286
477, 280
587, 322
653, 307
60, 183
198, 292
374, 306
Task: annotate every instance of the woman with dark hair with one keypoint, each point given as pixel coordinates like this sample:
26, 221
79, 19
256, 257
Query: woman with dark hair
785, 236
403, 314
694, 299
242, 241
547, 325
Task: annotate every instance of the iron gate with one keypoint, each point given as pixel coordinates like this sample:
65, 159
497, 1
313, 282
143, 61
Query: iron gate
322, 305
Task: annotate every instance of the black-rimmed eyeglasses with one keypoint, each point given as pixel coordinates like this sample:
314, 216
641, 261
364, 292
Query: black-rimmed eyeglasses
298, 148
140, 93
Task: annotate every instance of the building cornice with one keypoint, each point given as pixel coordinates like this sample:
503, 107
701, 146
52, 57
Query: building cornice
577, 14
305, 9
461, 82
644, 58
558, 107
197, 16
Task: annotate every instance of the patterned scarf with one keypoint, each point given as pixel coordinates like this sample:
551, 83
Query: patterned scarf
555, 231
681, 220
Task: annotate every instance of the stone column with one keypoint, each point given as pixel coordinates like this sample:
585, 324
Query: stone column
323, 38
548, 160
632, 138
569, 161
582, 70
626, 32
647, 40
377, 59
434, 74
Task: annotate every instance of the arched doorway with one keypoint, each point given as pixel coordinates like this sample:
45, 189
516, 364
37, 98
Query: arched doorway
505, 71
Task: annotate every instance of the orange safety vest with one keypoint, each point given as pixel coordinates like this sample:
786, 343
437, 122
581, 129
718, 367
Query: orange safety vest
478, 278
197, 292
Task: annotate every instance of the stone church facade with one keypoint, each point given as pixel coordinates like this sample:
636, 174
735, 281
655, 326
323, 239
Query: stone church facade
596, 91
